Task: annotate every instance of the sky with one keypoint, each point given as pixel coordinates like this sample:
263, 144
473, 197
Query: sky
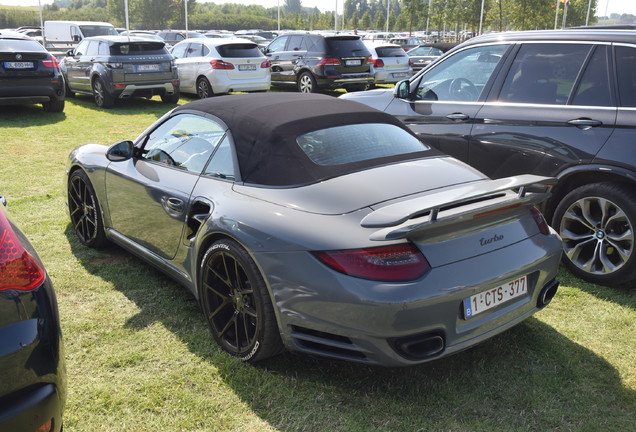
609, 6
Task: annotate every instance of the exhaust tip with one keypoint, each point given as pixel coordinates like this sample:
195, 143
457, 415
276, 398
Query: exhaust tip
547, 294
421, 346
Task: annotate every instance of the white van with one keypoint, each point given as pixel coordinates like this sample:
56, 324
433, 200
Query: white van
75, 31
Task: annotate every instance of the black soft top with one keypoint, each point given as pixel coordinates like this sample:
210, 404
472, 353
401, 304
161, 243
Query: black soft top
265, 126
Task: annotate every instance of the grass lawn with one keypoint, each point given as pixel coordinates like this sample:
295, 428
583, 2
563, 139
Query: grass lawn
140, 357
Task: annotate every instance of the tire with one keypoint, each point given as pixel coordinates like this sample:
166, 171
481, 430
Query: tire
204, 88
597, 224
171, 99
307, 83
358, 87
103, 99
84, 210
54, 106
68, 92
236, 304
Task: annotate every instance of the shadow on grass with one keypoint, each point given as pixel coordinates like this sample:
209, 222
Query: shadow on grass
21, 116
529, 378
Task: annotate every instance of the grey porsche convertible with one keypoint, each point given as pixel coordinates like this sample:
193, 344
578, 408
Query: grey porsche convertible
320, 225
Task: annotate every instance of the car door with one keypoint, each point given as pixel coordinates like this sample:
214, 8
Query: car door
284, 58
149, 195
443, 102
187, 58
555, 107
75, 67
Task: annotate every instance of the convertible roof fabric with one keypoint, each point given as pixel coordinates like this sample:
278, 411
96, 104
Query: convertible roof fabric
265, 126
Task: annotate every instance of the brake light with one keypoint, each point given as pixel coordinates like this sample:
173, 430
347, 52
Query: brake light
378, 63
50, 63
329, 61
266, 64
18, 269
369, 60
410, 62
540, 221
114, 65
220, 64
394, 263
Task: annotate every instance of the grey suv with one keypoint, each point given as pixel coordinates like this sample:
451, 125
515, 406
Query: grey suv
553, 103
313, 62
120, 67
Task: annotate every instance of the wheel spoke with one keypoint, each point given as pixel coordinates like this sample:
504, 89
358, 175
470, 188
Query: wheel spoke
228, 325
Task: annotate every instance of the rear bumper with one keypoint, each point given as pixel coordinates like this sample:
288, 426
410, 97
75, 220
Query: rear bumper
29, 409
225, 85
36, 92
132, 90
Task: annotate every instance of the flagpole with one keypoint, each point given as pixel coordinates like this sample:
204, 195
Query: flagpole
565, 13
587, 19
556, 14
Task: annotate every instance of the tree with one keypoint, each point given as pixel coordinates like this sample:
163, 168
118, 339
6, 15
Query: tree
293, 6
365, 21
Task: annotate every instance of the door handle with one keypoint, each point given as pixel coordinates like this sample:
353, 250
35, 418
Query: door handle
585, 124
174, 204
457, 116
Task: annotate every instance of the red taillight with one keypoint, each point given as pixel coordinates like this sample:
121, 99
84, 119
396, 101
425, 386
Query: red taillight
378, 63
410, 62
369, 60
329, 61
50, 63
266, 64
402, 262
46, 427
540, 221
220, 64
18, 269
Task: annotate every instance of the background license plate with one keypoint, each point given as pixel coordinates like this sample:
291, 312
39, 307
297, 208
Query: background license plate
18, 65
247, 67
148, 67
494, 297
353, 62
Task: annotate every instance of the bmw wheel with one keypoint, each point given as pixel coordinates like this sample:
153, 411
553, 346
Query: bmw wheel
54, 105
596, 223
307, 83
86, 218
236, 303
204, 88
103, 99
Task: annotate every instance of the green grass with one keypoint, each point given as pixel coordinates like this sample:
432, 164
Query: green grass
140, 357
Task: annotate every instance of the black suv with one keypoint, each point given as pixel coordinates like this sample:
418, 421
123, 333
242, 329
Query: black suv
554, 103
29, 74
120, 67
313, 62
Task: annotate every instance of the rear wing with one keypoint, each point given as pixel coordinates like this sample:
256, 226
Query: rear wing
426, 212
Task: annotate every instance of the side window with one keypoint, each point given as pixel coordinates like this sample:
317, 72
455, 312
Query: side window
544, 73
461, 77
93, 48
179, 50
194, 50
625, 67
206, 51
81, 48
222, 163
104, 49
295, 43
594, 87
184, 141
278, 45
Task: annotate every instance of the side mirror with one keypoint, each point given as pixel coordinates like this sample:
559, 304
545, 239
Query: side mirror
120, 151
76, 38
70, 53
402, 90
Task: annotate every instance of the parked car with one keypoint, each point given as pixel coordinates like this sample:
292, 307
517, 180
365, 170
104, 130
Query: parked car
423, 55
213, 66
390, 62
147, 34
260, 205
407, 42
554, 103
312, 62
174, 36
29, 74
32, 366
120, 67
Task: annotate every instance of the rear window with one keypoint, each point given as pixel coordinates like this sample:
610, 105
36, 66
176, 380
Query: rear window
236, 50
96, 30
134, 48
20, 45
346, 47
390, 52
357, 142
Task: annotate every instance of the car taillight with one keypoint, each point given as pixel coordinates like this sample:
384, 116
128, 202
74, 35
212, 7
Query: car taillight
266, 64
394, 263
540, 221
18, 269
410, 62
220, 64
370, 60
50, 63
378, 63
329, 61
114, 65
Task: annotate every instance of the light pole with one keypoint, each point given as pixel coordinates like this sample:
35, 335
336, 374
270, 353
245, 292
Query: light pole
388, 9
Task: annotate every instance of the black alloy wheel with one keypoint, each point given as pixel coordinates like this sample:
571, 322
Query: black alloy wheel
236, 303
204, 88
84, 210
103, 99
597, 224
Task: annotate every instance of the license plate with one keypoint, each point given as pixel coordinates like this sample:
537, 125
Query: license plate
18, 65
491, 298
353, 62
400, 75
247, 67
148, 68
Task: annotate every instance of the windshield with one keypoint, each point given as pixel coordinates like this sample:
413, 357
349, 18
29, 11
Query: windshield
98, 30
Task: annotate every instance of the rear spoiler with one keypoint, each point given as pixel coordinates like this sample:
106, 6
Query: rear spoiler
429, 206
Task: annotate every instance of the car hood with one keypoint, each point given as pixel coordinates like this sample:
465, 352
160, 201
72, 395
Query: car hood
370, 187
378, 99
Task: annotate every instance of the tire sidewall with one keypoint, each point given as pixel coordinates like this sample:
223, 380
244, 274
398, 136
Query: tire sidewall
98, 239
